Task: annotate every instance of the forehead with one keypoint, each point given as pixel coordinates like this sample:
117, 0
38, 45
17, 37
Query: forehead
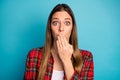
62, 15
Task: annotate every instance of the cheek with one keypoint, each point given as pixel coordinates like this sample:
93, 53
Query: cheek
68, 33
54, 32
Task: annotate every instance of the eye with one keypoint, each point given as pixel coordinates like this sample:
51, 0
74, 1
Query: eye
55, 23
67, 23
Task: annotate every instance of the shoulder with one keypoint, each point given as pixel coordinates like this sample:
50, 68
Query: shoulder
35, 53
86, 55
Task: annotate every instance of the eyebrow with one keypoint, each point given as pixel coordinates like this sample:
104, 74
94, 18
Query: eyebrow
54, 18
65, 18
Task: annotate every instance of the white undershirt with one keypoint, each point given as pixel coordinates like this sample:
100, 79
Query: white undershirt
57, 75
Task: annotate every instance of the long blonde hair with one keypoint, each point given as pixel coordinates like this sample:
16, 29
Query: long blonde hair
76, 57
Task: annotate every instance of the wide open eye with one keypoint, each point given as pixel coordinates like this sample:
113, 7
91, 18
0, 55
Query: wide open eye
67, 23
55, 23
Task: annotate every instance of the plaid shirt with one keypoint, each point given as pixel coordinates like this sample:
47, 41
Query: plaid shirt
33, 64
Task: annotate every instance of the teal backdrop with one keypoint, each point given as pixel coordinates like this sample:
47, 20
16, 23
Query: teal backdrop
23, 25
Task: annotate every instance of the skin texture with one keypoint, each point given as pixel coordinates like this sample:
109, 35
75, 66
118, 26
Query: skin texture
61, 26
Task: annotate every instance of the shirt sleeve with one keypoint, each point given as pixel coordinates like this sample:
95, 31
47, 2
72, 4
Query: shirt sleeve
87, 71
30, 71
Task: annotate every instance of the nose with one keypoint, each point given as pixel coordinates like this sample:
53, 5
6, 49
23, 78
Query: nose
61, 27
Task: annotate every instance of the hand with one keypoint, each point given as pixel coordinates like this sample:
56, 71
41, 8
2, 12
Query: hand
65, 49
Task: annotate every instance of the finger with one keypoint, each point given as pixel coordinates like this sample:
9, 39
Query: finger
71, 47
65, 41
58, 46
59, 42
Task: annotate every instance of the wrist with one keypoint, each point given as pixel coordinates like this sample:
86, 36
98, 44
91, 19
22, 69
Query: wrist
67, 62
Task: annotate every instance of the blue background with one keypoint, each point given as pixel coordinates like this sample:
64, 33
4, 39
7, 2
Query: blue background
23, 25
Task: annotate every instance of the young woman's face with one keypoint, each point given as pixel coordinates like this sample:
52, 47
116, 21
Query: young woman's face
61, 24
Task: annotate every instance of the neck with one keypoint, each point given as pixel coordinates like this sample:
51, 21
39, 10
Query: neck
57, 62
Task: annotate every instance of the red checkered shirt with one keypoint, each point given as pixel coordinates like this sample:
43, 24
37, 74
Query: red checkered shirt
33, 64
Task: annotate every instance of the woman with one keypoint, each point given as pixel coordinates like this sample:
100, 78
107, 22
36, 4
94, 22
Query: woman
60, 58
